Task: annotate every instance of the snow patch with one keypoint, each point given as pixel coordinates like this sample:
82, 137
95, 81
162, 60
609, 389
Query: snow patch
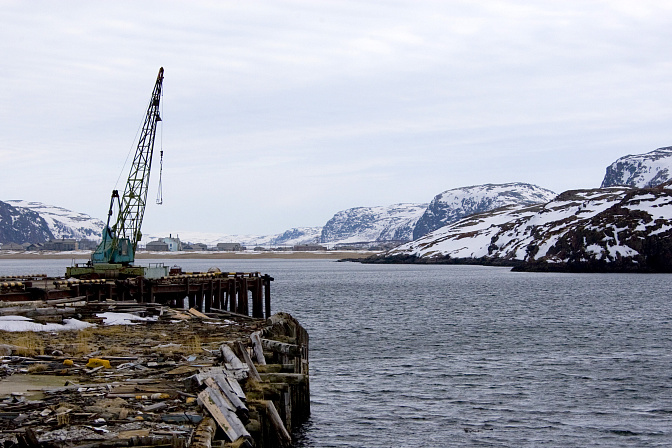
111, 318
20, 323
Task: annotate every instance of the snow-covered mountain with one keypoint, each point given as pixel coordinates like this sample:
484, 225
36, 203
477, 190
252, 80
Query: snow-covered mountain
370, 224
453, 205
297, 236
20, 225
616, 228
64, 223
640, 170
292, 237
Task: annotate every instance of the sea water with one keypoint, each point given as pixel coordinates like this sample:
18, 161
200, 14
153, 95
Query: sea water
434, 356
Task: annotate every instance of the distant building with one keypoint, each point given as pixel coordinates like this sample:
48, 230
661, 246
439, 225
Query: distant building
85, 244
308, 247
229, 247
35, 246
12, 246
61, 244
199, 246
157, 246
174, 244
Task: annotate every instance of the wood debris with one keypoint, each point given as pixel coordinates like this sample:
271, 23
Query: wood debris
181, 378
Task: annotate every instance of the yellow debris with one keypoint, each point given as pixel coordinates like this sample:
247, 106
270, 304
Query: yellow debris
96, 362
68, 362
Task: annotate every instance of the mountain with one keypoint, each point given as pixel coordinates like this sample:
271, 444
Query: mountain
297, 236
608, 229
64, 223
291, 237
20, 225
371, 224
453, 205
640, 170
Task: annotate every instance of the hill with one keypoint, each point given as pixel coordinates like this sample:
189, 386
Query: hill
599, 230
453, 205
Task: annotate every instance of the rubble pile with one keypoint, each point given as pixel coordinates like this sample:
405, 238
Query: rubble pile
162, 377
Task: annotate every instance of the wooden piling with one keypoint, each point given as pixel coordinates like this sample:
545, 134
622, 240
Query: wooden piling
232, 295
267, 294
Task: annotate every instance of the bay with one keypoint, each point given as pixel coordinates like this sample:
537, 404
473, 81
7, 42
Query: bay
418, 356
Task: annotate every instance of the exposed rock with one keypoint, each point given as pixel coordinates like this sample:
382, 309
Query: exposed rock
19, 225
297, 236
64, 223
640, 170
611, 229
453, 205
370, 224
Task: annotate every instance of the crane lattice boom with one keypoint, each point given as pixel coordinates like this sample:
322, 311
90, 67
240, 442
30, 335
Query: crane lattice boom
121, 240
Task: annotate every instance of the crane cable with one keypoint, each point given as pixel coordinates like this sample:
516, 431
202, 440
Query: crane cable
159, 194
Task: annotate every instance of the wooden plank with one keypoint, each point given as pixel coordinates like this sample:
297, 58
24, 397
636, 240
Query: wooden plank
197, 313
33, 312
284, 438
257, 348
287, 378
231, 314
280, 347
209, 404
231, 358
61, 301
246, 357
235, 386
238, 406
204, 434
221, 410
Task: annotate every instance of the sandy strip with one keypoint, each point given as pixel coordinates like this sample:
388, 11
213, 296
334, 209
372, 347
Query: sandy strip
78, 255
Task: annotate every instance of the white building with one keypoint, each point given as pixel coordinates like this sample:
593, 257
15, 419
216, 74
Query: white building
174, 244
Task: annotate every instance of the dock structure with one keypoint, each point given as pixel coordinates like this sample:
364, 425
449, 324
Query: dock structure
209, 366
247, 293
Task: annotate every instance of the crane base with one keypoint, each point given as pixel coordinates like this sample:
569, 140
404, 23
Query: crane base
104, 270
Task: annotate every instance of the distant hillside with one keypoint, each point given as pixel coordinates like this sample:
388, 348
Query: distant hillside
370, 224
64, 223
20, 225
640, 170
453, 205
297, 236
291, 237
610, 229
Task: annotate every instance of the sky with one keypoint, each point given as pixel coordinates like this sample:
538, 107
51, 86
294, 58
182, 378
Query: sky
278, 114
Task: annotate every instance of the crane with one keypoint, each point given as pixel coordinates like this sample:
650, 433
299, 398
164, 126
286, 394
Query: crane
115, 255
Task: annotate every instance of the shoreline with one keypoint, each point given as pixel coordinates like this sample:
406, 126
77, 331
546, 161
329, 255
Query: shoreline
79, 255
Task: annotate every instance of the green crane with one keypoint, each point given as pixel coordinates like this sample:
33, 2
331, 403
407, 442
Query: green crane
115, 255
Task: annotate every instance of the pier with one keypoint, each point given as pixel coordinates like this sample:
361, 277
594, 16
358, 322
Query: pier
236, 292
208, 366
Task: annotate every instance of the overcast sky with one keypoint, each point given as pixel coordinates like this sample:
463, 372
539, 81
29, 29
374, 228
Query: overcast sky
278, 114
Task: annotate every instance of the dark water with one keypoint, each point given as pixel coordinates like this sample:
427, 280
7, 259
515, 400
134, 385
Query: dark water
433, 356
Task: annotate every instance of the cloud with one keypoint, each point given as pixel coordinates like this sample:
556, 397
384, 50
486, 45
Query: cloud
331, 104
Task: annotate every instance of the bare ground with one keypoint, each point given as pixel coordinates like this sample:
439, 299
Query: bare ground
330, 255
